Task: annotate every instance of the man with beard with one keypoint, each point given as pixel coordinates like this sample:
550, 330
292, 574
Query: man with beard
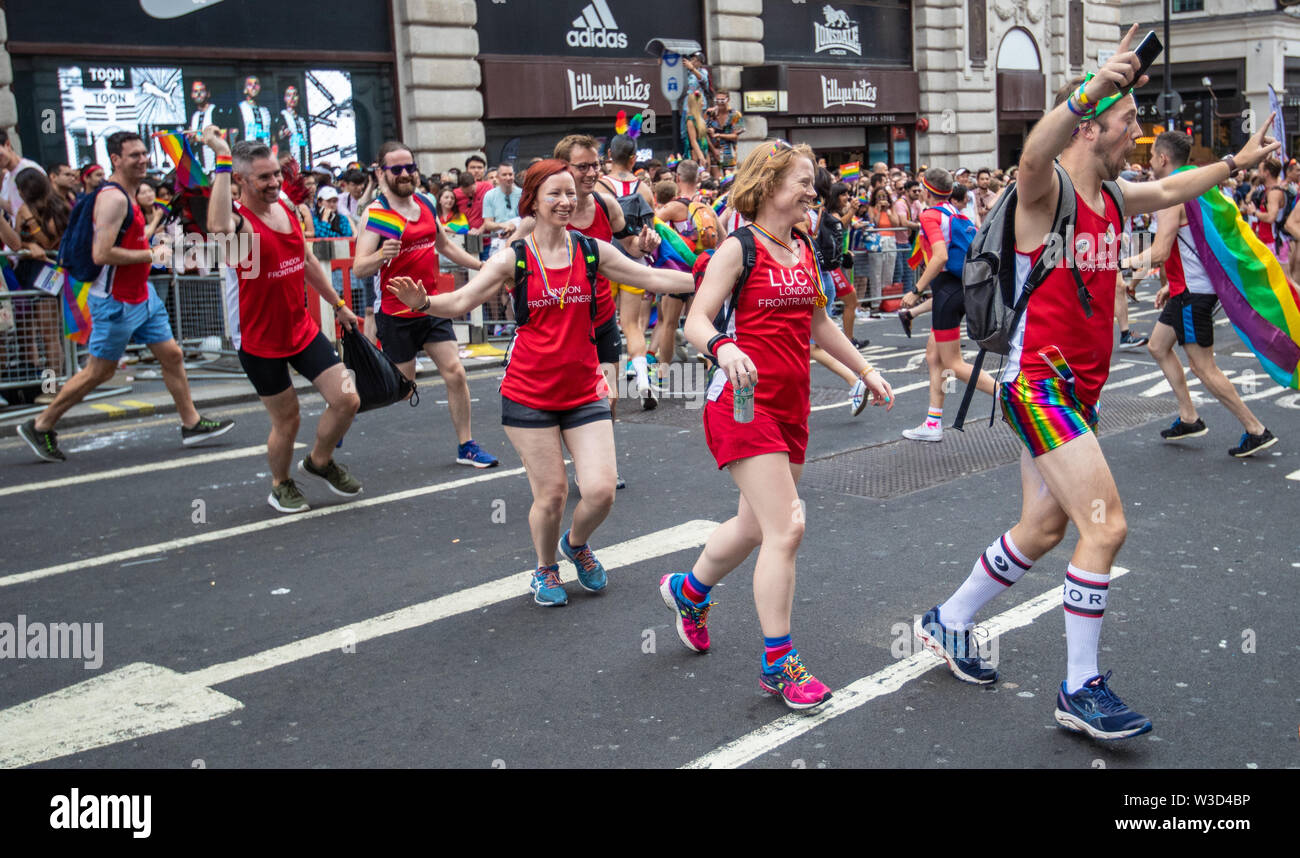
205, 113
291, 128
404, 332
255, 118
1059, 360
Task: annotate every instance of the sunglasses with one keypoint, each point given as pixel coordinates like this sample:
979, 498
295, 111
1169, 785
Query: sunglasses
589, 167
400, 169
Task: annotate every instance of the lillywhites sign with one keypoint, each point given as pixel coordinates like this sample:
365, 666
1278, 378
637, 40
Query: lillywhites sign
626, 91
838, 36
858, 92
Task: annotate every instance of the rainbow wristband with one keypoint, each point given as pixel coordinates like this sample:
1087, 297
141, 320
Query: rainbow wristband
1082, 114
223, 164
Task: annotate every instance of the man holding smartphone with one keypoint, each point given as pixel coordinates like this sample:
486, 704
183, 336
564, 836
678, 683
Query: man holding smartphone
1049, 389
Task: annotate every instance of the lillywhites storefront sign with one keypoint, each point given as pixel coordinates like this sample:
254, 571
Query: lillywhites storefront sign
626, 91
838, 35
859, 92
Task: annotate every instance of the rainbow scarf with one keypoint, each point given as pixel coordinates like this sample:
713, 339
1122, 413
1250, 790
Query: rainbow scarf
389, 224
459, 224
188, 172
1260, 301
673, 250
76, 311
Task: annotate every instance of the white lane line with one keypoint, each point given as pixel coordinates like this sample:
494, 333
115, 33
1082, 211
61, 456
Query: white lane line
1132, 314
143, 699
1163, 386
1294, 475
205, 459
773, 735
1265, 394
254, 527
1118, 367
1137, 379
1243, 354
907, 388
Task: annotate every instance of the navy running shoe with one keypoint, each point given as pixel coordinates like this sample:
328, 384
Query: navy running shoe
957, 648
1098, 711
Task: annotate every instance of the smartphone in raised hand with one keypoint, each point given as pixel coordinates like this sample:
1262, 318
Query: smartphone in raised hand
1147, 52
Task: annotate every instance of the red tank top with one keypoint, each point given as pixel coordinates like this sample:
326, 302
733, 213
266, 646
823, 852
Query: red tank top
772, 325
1054, 317
418, 259
600, 229
130, 283
273, 320
553, 364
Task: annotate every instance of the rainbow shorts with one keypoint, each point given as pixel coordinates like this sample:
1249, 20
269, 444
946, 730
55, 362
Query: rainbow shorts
1045, 413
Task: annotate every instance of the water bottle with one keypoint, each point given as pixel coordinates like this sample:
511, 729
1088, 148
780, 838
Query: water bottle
743, 404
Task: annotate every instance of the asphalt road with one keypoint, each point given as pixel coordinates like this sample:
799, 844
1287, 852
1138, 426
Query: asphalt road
396, 631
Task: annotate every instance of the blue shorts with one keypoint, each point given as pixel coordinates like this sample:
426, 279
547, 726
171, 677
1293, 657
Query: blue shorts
113, 325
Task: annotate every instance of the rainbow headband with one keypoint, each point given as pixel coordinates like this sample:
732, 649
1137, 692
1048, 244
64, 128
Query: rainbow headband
932, 189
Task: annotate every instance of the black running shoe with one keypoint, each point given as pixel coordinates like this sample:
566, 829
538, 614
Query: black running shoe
205, 430
43, 444
1129, 342
1179, 430
905, 319
1252, 444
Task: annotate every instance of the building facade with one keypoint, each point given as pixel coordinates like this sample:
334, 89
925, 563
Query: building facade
909, 82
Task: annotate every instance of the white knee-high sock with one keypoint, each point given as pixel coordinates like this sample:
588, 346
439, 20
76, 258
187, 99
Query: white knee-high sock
1000, 566
1084, 600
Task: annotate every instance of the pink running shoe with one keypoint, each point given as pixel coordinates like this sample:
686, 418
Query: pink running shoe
692, 619
799, 688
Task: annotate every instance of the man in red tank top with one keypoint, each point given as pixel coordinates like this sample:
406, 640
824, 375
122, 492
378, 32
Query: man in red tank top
275, 332
1059, 361
123, 307
402, 333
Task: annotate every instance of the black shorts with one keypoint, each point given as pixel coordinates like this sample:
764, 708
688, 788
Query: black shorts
949, 303
271, 375
516, 414
403, 337
1192, 318
609, 342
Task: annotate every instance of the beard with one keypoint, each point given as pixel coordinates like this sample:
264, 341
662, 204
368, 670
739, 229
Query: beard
403, 187
1114, 162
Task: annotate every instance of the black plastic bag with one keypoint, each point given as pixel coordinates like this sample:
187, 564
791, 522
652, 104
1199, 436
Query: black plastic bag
379, 382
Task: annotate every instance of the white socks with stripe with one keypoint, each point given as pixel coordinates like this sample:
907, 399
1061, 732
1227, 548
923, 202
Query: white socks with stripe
1000, 566
642, 372
1084, 597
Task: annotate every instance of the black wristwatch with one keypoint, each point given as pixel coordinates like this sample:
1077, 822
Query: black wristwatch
1232, 164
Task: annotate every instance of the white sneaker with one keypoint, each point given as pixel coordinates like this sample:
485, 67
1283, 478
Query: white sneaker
863, 316
859, 398
924, 432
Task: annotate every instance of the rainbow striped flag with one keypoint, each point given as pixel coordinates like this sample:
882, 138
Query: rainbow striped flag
459, 224
388, 223
720, 205
914, 261
76, 310
673, 250
850, 172
1262, 304
188, 172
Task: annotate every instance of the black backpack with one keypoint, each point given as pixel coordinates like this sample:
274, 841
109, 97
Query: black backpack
75, 249
590, 253
989, 275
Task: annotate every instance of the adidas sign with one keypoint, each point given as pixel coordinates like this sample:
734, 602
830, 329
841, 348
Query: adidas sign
596, 28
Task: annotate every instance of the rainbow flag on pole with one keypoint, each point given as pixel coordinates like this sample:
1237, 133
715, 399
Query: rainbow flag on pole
673, 250
850, 172
1262, 304
388, 223
188, 172
76, 310
459, 224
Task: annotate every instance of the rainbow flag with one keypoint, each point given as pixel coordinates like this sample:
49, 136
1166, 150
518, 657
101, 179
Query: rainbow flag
1262, 304
76, 310
673, 250
914, 261
720, 205
674, 160
459, 224
188, 172
850, 172
389, 224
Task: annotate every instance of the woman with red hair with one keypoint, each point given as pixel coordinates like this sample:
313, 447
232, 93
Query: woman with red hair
553, 394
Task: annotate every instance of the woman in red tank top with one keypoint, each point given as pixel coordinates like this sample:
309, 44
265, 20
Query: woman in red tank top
553, 394
764, 350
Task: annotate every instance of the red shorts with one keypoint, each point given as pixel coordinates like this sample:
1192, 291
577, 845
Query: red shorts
730, 441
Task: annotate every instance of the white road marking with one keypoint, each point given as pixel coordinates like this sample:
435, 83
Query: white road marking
204, 459
1243, 354
897, 390
1294, 475
1265, 394
143, 699
254, 527
1137, 379
1163, 386
773, 735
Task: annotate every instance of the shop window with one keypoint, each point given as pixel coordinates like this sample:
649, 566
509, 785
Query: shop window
1187, 6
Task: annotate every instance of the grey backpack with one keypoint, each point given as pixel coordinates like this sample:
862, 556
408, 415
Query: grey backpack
989, 275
